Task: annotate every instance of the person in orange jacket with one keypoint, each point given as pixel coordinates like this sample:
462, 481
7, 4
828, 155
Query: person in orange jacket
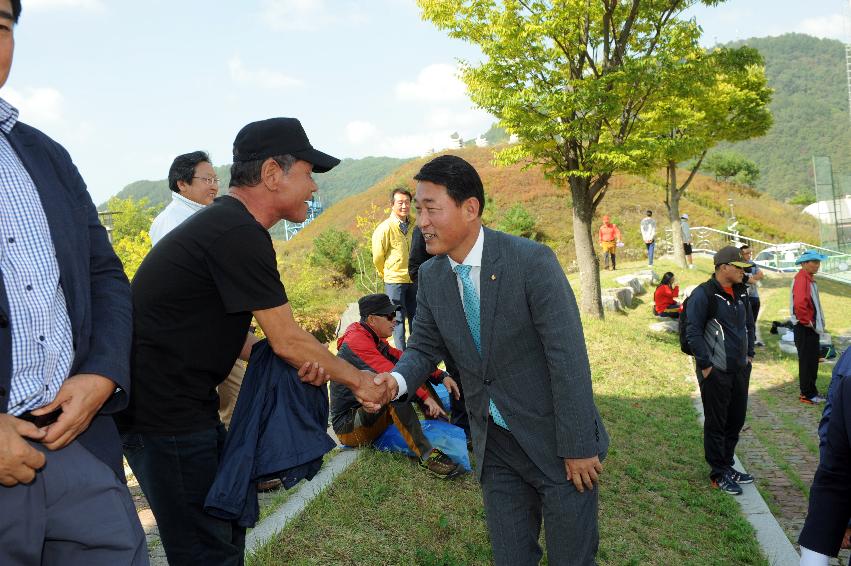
609, 236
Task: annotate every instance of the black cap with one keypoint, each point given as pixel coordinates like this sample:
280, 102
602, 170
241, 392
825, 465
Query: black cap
378, 303
731, 255
279, 136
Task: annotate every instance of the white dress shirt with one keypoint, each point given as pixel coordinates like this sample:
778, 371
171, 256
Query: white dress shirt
473, 259
179, 209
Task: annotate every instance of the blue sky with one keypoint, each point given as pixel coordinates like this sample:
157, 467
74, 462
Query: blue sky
126, 86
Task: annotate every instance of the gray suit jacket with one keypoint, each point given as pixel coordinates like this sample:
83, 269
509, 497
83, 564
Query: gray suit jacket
533, 362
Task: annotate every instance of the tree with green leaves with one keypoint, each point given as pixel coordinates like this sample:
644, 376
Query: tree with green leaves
571, 79
713, 97
731, 166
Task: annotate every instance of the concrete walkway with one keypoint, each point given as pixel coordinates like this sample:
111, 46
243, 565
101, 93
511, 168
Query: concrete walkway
772, 539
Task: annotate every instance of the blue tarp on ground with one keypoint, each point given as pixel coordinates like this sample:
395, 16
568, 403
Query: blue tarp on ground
447, 437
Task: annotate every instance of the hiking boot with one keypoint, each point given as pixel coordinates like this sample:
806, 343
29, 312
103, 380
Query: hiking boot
266, 486
440, 465
814, 400
740, 477
727, 484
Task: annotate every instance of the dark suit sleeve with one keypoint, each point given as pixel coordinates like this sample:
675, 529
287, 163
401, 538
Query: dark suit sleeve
425, 348
830, 494
111, 309
556, 319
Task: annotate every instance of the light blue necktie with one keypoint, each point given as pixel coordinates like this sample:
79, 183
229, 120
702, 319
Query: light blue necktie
471, 310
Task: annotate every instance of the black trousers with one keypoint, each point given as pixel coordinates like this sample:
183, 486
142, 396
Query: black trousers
754, 307
806, 341
725, 404
175, 473
458, 415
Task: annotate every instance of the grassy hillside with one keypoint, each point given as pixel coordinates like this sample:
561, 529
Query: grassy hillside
760, 216
318, 299
810, 109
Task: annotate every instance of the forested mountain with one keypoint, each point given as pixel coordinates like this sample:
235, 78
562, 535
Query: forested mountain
810, 108
351, 176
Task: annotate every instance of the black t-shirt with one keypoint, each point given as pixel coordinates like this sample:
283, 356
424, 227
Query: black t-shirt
192, 300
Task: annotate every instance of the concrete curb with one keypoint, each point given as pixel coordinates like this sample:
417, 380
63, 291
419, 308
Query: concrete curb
770, 535
274, 523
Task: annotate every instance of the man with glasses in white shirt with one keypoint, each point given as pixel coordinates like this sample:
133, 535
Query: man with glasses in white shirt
194, 185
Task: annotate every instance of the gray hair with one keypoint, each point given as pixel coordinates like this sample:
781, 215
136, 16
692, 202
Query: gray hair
247, 174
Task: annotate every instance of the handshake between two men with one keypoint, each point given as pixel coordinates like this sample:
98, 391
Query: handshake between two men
371, 390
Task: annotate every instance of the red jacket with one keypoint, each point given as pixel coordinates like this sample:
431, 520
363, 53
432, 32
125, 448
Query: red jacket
664, 297
802, 300
364, 344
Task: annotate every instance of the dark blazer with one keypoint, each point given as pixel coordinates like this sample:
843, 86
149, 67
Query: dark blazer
533, 363
97, 292
830, 494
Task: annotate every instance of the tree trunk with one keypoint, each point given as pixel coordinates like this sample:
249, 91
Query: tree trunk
590, 303
673, 205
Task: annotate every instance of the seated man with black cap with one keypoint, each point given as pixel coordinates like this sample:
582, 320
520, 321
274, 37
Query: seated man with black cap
364, 345
194, 296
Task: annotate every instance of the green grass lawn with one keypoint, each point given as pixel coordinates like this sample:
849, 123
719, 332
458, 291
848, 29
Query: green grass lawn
656, 506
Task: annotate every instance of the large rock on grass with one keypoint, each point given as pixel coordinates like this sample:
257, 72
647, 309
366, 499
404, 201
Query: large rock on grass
632, 282
611, 303
623, 294
647, 277
669, 325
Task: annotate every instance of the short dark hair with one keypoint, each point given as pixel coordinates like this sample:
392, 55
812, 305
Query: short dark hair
461, 179
247, 173
16, 10
400, 191
649, 213
744, 247
183, 168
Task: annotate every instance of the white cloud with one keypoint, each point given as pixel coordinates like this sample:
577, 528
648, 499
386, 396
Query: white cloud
263, 78
54, 4
37, 105
832, 26
307, 15
436, 83
359, 132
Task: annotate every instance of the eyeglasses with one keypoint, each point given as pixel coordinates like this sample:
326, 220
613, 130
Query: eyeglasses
209, 180
391, 317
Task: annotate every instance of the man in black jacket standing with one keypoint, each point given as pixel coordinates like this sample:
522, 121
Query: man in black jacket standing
723, 348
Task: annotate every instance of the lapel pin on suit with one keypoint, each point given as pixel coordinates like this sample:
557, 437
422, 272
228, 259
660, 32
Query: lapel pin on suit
493, 277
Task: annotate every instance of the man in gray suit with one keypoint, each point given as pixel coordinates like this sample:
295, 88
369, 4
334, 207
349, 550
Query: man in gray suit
502, 308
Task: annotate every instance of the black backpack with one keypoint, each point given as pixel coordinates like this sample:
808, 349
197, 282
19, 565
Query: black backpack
683, 320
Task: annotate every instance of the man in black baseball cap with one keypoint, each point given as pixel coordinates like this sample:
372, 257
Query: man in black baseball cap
194, 297
720, 332
279, 136
379, 303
